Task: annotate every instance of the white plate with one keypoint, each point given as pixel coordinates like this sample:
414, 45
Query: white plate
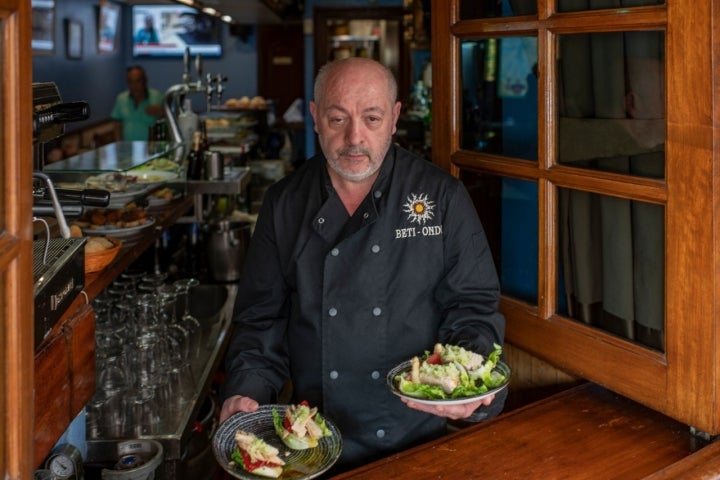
120, 199
404, 367
117, 232
153, 176
299, 464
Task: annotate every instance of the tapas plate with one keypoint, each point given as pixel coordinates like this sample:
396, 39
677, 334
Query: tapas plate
299, 464
119, 232
501, 368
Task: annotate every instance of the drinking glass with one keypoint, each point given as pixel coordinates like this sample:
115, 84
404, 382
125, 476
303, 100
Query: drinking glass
188, 321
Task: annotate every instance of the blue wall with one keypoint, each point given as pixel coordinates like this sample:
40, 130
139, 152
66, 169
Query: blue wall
97, 78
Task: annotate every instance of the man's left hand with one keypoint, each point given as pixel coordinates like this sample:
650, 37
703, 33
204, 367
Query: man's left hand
454, 412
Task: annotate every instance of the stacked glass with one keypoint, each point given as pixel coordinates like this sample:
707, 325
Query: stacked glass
145, 349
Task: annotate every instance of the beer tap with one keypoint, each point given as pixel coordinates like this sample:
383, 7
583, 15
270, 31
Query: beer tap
215, 86
175, 94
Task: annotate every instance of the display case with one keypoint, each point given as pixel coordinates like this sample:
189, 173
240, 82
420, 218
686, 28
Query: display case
113, 157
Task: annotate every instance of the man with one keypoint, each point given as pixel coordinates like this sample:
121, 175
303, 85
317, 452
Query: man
138, 107
364, 257
147, 34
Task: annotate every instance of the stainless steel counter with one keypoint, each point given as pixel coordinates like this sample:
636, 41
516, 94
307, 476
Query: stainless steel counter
177, 428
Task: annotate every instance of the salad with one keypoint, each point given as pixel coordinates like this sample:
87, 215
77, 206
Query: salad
450, 372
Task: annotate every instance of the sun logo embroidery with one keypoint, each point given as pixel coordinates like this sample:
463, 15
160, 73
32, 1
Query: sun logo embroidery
419, 208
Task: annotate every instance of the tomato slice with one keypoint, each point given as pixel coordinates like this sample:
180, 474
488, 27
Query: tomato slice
250, 465
434, 359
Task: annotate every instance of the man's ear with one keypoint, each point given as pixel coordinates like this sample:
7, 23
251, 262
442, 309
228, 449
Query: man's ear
396, 115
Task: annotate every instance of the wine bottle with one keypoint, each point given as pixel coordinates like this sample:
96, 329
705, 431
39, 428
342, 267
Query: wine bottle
195, 158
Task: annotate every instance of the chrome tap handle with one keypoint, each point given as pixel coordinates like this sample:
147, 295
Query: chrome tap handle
198, 68
186, 66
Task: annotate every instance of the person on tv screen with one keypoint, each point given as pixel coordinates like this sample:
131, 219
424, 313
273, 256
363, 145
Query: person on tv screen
147, 34
138, 107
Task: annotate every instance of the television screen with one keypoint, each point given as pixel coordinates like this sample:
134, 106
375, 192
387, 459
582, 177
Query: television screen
166, 30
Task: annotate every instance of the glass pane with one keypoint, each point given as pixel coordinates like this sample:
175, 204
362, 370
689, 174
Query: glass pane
612, 265
576, 5
611, 102
500, 96
470, 9
508, 210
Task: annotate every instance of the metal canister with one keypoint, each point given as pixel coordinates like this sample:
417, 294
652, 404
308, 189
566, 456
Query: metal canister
214, 165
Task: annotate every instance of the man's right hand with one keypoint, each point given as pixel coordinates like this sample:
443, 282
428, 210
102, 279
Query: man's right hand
237, 403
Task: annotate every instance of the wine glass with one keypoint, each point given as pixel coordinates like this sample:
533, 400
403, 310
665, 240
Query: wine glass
191, 324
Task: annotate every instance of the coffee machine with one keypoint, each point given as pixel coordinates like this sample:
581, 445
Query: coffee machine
58, 263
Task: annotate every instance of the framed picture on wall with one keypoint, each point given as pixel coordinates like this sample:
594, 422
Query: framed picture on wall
108, 21
74, 38
43, 27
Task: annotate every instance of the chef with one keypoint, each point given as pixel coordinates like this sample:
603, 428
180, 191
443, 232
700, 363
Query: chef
362, 258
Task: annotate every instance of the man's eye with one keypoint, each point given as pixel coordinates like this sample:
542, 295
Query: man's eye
336, 120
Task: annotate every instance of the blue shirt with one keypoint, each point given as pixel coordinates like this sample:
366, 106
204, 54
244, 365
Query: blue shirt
135, 122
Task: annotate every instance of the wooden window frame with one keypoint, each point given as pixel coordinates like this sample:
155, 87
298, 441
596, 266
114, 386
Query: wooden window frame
682, 382
16, 266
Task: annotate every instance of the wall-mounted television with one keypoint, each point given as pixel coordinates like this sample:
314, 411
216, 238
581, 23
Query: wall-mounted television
166, 30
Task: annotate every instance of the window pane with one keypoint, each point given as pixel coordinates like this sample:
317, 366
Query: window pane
508, 210
612, 265
611, 102
500, 96
576, 5
470, 9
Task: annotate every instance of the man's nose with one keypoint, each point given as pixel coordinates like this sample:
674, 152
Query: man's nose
353, 133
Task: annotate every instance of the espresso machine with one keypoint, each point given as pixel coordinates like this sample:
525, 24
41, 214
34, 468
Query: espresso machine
58, 263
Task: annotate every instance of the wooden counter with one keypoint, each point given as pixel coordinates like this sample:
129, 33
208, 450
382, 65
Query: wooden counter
65, 360
586, 432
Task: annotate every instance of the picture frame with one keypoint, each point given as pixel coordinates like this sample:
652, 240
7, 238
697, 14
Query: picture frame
43, 27
74, 39
108, 21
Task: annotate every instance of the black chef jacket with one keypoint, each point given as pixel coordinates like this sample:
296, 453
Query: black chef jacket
333, 302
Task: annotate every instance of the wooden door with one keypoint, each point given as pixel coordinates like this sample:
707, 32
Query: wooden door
671, 364
16, 304
281, 62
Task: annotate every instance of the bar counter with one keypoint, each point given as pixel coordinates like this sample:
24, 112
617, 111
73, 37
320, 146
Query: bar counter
65, 360
586, 432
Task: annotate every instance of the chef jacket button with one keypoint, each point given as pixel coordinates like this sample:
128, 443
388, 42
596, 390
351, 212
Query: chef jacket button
375, 375
366, 215
332, 312
377, 193
334, 374
334, 252
321, 220
375, 248
377, 311
380, 433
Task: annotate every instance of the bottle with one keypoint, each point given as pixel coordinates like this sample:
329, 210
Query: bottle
196, 157
188, 122
204, 142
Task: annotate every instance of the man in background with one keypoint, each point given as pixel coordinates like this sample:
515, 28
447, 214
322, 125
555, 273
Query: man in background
138, 107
